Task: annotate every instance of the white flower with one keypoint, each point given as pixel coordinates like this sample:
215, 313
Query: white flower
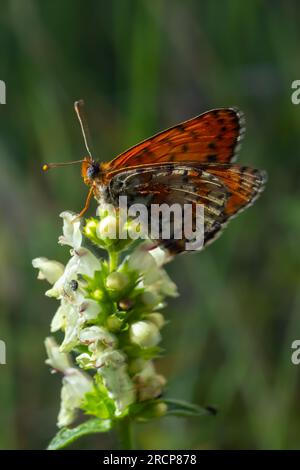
141, 260
48, 269
73, 324
72, 235
89, 309
61, 285
68, 319
144, 334
86, 361
93, 335
75, 385
112, 367
87, 263
111, 358
59, 320
149, 264
163, 284
82, 262
151, 300
149, 384
161, 255
151, 387
56, 359
71, 318
75, 382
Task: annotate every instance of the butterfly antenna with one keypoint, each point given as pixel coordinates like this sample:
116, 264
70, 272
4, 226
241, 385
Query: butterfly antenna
79, 109
48, 166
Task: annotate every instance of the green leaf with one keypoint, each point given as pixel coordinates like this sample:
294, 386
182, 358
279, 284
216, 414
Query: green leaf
149, 409
66, 436
137, 409
146, 410
185, 409
97, 401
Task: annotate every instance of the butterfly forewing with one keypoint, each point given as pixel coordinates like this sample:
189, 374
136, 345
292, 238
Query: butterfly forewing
211, 137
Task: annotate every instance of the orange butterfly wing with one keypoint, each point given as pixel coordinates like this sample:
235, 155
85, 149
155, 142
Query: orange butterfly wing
190, 162
244, 184
211, 137
223, 190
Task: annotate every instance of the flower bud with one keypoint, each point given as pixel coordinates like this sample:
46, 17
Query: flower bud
153, 410
150, 299
144, 334
117, 281
156, 318
160, 409
90, 231
90, 228
150, 387
98, 294
125, 304
114, 323
104, 210
107, 228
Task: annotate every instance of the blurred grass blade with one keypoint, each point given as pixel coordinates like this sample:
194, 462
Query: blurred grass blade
185, 409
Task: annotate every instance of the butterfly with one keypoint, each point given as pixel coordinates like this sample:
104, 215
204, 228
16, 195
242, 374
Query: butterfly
192, 162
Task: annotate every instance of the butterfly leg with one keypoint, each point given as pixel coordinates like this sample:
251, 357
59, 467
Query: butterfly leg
86, 206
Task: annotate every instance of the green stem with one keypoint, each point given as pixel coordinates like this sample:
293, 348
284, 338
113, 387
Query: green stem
113, 260
124, 428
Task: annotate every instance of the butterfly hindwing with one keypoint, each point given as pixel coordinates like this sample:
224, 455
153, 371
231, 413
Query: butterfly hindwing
223, 190
244, 184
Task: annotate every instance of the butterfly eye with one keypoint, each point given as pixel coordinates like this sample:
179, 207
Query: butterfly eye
93, 170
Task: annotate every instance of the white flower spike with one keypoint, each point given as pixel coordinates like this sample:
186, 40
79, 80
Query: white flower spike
110, 316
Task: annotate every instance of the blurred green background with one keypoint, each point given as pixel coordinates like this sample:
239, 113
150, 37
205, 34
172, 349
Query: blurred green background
142, 66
